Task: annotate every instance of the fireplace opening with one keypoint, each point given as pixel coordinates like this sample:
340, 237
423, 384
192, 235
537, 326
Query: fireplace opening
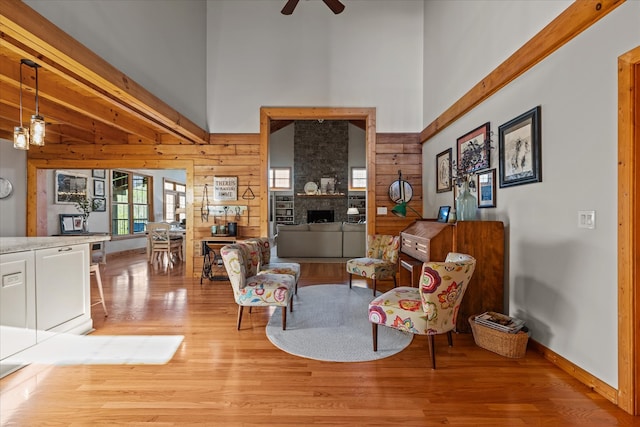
319, 216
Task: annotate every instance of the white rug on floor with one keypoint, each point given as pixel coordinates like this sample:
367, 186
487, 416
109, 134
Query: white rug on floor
330, 323
68, 349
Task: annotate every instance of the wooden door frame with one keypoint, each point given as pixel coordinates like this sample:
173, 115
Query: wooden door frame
628, 231
35, 196
315, 113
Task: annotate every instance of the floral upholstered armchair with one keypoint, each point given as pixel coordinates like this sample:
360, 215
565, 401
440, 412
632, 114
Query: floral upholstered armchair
251, 289
430, 309
267, 267
381, 262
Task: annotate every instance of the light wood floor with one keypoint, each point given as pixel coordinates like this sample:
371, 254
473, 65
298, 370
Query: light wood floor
223, 377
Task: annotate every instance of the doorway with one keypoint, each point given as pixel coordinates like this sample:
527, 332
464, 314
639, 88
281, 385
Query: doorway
268, 114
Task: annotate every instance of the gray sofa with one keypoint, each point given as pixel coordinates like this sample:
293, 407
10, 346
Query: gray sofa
321, 240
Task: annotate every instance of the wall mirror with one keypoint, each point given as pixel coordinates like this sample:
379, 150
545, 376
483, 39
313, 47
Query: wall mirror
400, 190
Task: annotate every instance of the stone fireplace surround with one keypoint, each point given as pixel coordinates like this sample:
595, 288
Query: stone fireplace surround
321, 150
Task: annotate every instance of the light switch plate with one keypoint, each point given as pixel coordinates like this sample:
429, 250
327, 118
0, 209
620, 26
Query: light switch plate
587, 219
382, 210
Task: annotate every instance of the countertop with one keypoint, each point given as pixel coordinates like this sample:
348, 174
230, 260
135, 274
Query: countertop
19, 244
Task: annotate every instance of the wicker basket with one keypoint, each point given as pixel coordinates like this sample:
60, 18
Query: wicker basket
502, 343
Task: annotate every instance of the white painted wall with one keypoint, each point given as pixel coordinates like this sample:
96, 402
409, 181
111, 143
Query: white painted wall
13, 209
368, 56
159, 44
561, 279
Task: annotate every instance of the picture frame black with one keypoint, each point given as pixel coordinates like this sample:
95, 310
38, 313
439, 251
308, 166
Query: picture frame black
478, 153
98, 173
520, 149
487, 189
99, 204
443, 171
98, 187
70, 223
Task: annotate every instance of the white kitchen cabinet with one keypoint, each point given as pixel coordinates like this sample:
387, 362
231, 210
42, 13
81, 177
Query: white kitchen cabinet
17, 303
62, 288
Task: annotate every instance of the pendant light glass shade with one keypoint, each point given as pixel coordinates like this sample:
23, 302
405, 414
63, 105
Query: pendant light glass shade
37, 130
21, 138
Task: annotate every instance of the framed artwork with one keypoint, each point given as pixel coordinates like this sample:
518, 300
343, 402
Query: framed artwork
443, 214
70, 223
520, 145
225, 188
443, 171
70, 187
98, 187
473, 152
99, 173
487, 189
99, 204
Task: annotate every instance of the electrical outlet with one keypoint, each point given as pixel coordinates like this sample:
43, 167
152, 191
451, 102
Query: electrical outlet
587, 219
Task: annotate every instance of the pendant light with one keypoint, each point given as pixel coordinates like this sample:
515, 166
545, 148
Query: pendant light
22, 136
20, 133
37, 121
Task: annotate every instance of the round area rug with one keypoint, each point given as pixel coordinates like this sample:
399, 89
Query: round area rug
331, 323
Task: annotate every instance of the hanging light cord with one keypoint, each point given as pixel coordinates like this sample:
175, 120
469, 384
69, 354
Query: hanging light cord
21, 93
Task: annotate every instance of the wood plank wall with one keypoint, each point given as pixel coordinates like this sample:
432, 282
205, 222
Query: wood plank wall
225, 155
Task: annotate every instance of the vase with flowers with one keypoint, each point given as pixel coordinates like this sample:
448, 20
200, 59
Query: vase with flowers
85, 206
475, 156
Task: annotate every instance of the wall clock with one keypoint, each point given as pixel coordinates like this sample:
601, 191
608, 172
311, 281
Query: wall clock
400, 190
5, 188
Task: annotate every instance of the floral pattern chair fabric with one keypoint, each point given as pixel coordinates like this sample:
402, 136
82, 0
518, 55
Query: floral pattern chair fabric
381, 262
430, 309
251, 289
268, 267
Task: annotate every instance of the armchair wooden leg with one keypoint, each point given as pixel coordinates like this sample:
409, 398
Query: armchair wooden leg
374, 335
374, 287
284, 318
291, 305
350, 276
432, 351
395, 283
450, 338
240, 308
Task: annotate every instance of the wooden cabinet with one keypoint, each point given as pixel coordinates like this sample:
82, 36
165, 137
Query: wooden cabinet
427, 240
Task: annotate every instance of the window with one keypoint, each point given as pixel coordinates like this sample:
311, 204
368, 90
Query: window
280, 179
175, 201
130, 202
358, 177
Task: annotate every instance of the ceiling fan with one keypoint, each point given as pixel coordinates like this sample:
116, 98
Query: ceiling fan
335, 5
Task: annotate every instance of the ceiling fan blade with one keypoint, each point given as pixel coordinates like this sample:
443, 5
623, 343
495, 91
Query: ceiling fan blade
288, 8
335, 5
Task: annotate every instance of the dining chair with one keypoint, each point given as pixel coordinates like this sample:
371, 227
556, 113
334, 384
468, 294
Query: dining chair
161, 243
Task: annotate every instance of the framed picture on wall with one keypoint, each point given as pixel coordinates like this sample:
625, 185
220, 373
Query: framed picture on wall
99, 204
99, 173
487, 189
98, 187
520, 145
70, 187
443, 171
473, 153
225, 188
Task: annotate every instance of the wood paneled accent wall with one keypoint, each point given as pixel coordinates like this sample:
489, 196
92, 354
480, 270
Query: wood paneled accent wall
225, 155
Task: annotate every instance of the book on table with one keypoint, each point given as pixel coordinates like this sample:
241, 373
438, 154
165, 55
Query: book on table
500, 322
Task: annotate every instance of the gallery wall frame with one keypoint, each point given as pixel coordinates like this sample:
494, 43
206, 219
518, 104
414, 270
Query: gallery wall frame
70, 187
98, 187
99, 173
520, 149
443, 171
477, 158
487, 189
99, 204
